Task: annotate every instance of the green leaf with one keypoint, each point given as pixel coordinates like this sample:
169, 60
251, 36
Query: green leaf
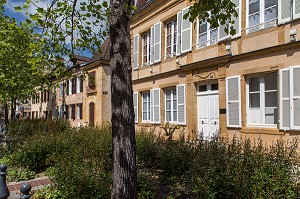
18, 8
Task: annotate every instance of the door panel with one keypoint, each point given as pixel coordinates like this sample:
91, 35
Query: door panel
203, 115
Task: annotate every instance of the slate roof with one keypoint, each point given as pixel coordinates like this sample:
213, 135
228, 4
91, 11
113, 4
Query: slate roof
142, 4
105, 51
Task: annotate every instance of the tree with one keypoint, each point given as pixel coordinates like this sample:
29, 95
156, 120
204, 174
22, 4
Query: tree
18, 72
64, 19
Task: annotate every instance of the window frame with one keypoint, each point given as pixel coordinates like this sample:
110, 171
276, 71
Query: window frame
262, 106
148, 48
172, 110
148, 108
173, 34
262, 23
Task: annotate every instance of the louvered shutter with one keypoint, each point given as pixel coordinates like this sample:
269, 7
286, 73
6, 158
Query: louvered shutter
135, 106
178, 44
136, 52
155, 105
157, 42
70, 87
151, 41
295, 97
233, 101
237, 20
186, 33
284, 99
284, 11
181, 112
296, 9
151, 105
222, 33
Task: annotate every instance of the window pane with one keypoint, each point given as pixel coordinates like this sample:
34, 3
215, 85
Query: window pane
203, 28
254, 19
254, 100
202, 88
168, 94
270, 14
253, 6
214, 87
168, 105
174, 116
214, 33
175, 105
254, 84
271, 116
271, 99
168, 116
174, 94
271, 82
144, 115
269, 3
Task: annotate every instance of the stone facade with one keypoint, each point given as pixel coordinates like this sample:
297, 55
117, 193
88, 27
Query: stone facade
231, 85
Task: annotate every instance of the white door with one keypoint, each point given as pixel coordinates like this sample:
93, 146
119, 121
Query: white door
208, 110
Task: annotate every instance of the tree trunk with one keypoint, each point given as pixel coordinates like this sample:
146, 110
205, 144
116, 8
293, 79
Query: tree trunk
124, 177
5, 117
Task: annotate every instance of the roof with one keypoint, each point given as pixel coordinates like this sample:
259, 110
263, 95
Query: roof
80, 58
142, 4
105, 51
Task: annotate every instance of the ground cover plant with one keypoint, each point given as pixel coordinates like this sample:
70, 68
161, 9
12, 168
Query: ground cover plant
79, 163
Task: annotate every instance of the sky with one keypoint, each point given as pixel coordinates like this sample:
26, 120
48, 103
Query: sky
21, 16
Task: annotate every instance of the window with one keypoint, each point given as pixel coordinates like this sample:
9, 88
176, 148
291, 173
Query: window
171, 105
171, 38
207, 36
262, 100
79, 111
72, 111
146, 48
146, 106
92, 79
74, 85
61, 89
261, 14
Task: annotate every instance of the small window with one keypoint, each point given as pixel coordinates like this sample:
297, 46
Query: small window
214, 87
146, 48
171, 38
92, 79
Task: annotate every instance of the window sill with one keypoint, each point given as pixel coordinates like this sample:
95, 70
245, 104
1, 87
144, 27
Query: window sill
147, 124
262, 130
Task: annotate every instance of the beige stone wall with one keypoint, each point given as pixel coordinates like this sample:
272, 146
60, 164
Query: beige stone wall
260, 52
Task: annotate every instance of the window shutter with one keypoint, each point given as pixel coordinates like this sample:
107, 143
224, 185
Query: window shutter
284, 11
135, 107
136, 52
178, 44
222, 33
296, 9
284, 99
237, 20
151, 39
295, 97
233, 101
157, 42
181, 114
186, 33
70, 87
155, 105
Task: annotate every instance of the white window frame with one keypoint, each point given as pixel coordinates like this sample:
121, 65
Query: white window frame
148, 108
172, 110
262, 23
208, 41
262, 107
148, 53
173, 23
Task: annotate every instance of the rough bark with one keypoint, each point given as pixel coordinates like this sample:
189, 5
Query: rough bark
124, 147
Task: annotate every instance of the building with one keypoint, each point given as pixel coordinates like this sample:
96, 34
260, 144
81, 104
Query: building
208, 82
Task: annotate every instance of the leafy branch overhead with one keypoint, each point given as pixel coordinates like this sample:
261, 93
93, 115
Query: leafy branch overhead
215, 12
67, 26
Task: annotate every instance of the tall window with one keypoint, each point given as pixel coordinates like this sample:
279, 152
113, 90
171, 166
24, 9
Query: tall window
146, 48
262, 100
72, 111
171, 105
171, 38
146, 106
261, 14
207, 36
79, 111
